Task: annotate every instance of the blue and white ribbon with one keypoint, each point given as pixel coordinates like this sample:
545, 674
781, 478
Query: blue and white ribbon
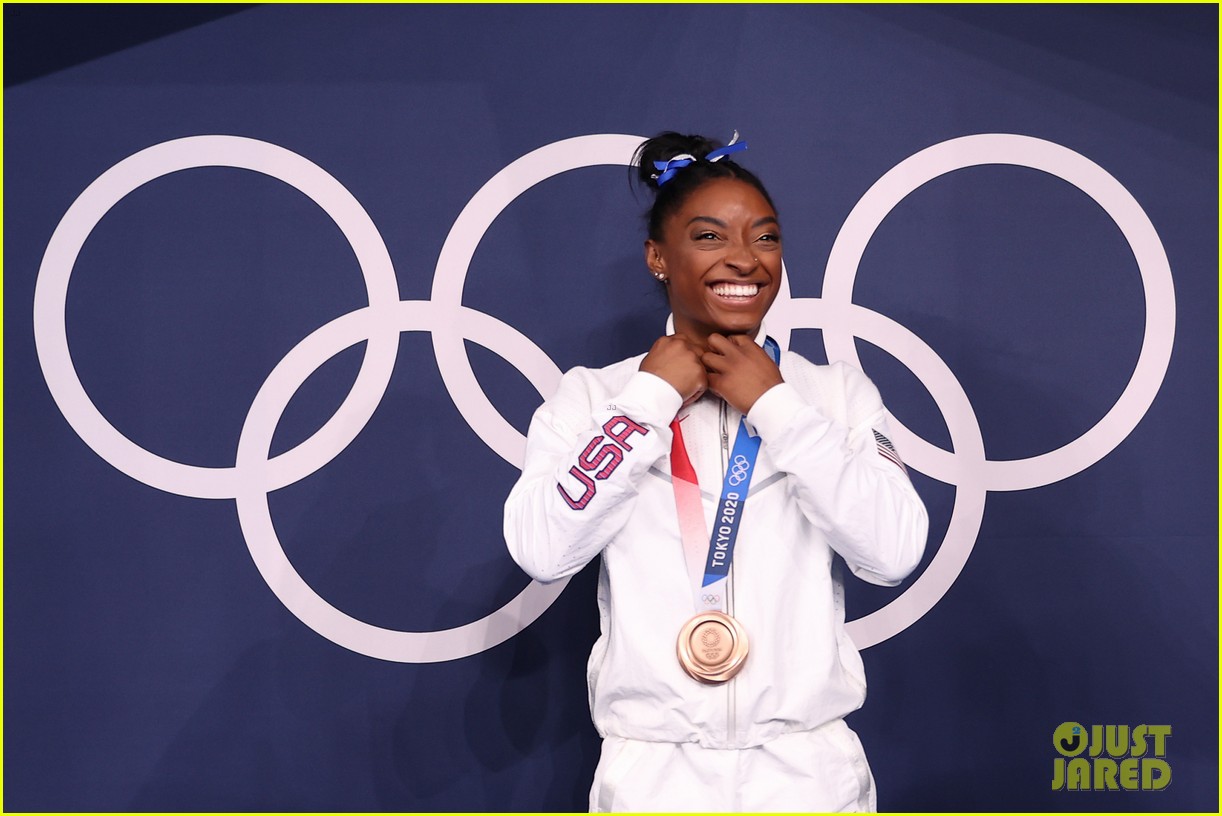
669, 167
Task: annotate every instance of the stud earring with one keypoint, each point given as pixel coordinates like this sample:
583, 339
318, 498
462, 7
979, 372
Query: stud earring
659, 276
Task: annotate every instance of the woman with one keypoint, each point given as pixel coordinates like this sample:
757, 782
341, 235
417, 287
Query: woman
723, 672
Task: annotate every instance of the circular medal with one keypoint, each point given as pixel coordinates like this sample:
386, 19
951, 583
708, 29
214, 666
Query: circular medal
712, 647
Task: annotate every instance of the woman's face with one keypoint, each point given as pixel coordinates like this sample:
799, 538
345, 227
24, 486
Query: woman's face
720, 253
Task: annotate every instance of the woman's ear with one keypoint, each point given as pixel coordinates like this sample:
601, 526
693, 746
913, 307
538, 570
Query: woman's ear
654, 260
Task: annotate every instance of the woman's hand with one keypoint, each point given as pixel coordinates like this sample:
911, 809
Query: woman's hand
676, 359
739, 371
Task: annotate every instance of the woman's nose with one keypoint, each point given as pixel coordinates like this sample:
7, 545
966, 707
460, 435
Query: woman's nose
740, 258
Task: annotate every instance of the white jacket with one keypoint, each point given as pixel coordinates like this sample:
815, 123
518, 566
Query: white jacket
823, 482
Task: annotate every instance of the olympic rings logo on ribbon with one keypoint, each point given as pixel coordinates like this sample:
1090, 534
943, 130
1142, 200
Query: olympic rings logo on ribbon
254, 475
710, 599
738, 471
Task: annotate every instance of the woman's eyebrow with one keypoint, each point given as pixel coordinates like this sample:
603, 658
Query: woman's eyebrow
768, 219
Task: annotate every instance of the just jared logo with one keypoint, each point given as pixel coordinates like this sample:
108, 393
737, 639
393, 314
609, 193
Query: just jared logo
1120, 757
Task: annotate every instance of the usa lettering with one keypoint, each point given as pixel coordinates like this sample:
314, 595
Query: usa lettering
600, 458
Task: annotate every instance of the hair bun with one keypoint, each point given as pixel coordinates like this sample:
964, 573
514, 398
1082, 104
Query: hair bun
664, 147
662, 164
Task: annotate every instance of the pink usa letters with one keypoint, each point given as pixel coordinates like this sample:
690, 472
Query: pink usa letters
601, 458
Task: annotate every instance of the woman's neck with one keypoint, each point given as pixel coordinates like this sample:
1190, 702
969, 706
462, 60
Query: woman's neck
701, 337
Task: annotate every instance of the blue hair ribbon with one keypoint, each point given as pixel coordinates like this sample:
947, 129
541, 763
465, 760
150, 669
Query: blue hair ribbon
722, 152
670, 167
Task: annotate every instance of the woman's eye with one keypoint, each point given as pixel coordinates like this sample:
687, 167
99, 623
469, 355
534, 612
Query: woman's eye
706, 236
771, 237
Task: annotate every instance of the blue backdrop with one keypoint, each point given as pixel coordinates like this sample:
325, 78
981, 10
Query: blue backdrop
187, 627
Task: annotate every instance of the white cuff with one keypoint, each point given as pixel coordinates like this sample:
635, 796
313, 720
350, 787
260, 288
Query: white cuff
648, 398
775, 409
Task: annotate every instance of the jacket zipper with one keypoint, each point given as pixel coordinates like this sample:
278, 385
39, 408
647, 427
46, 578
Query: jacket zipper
731, 708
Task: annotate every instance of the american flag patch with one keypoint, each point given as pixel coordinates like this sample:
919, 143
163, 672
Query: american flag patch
888, 451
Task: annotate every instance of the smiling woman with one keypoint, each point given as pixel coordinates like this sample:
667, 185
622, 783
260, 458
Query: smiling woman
721, 678
719, 254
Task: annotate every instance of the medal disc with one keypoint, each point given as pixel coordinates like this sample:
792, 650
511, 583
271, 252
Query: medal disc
712, 647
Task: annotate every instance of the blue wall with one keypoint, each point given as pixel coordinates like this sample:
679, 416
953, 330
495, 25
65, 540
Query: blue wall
160, 653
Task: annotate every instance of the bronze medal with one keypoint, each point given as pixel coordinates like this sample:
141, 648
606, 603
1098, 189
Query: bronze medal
712, 647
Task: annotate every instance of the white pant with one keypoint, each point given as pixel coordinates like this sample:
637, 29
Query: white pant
823, 770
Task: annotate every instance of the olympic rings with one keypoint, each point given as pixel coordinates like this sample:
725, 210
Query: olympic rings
51, 291
738, 470
968, 468
254, 475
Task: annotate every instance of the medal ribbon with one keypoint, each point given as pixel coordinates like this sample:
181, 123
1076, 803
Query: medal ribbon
709, 584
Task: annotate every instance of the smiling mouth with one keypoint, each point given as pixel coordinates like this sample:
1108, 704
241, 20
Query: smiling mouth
737, 292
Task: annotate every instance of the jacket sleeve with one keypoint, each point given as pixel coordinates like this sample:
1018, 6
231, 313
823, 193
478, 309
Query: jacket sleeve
584, 465
848, 479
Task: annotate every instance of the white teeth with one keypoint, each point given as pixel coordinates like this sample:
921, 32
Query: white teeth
743, 290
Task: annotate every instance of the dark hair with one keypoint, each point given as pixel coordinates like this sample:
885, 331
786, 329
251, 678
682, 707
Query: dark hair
670, 196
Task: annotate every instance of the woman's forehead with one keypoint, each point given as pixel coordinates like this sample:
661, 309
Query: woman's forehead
727, 196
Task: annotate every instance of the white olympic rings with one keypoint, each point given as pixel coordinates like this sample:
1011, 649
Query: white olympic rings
254, 475
738, 470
